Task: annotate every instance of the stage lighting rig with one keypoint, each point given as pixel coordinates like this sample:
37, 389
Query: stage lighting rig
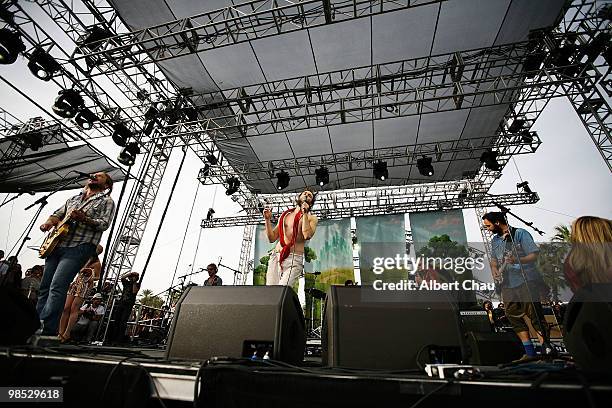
209, 214
128, 154
68, 103
95, 35
10, 46
232, 185
282, 180
204, 171
489, 158
42, 65
425, 167
85, 118
121, 134
33, 140
380, 170
322, 176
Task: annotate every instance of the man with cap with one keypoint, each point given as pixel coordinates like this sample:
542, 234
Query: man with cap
89, 318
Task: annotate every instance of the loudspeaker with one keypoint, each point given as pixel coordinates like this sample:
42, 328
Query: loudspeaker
18, 318
238, 321
492, 348
588, 332
475, 321
365, 328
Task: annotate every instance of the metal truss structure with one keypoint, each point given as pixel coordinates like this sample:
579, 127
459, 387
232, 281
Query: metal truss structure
497, 75
231, 25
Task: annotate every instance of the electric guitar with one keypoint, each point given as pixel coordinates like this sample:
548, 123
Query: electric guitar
60, 231
508, 251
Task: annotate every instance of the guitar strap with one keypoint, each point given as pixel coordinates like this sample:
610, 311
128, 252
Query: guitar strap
84, 204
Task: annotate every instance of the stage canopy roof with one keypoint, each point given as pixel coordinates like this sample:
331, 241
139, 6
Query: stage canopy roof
24, 170
428, 28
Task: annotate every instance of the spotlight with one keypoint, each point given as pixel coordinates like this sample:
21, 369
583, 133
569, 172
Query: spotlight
33, 140
85, 118
380, 170
95, 35
517, 124
322, 176
204, 173
526, 137
489, 158
425, 167
209, 214
127, 157
10, 46
524, 186
43, 65
232, 185
532, 63
212, 159
121, 134
282, 179
68, 103
463, 194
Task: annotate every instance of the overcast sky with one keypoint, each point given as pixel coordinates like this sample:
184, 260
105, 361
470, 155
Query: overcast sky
567, 172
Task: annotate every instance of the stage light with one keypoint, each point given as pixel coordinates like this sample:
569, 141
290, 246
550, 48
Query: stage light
533, 62
489, 158
68, 103
209, 214
526, 137
524, 186
322, 176
10, 46
232, 185
42, 65
85, 118
517, 125
425, 167
121, 134
33, 140
212, 159
380, 170
128, 154
463, 194
282, 180
95, 35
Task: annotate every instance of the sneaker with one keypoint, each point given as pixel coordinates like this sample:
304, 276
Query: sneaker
525, 358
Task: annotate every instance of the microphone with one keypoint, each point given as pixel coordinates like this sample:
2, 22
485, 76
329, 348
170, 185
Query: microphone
86, 175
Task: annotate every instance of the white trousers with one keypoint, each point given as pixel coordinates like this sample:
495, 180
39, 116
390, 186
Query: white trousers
287, 273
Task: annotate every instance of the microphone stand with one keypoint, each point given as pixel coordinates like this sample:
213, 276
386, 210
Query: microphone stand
236, 271
42, 202
506, 210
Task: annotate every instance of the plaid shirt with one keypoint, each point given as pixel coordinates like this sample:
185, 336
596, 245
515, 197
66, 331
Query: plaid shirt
99, 210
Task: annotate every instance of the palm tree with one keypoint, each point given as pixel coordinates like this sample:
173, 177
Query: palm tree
147, 299
563, 233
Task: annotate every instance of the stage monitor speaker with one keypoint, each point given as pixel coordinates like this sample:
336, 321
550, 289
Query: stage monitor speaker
493, 348
365, 328
238, 321
588, 328
18, 319
475, 321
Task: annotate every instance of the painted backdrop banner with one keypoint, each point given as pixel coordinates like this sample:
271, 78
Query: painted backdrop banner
380, 236
262, 247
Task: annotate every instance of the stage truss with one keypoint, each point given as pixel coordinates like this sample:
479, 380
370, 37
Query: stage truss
498, 75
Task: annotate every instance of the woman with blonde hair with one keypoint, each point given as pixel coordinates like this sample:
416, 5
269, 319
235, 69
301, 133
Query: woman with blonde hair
590, 259
76, 294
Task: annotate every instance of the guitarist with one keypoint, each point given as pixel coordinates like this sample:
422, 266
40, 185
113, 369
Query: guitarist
89, 213
514, 263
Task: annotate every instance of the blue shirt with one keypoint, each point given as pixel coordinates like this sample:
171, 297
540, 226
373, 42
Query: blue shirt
524, 245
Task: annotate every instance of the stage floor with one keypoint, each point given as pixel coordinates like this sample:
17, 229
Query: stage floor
111, 376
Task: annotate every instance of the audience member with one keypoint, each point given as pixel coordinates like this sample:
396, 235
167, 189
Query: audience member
123, 307
31, 283
90, 316
10, 272
77, 292
590, 259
